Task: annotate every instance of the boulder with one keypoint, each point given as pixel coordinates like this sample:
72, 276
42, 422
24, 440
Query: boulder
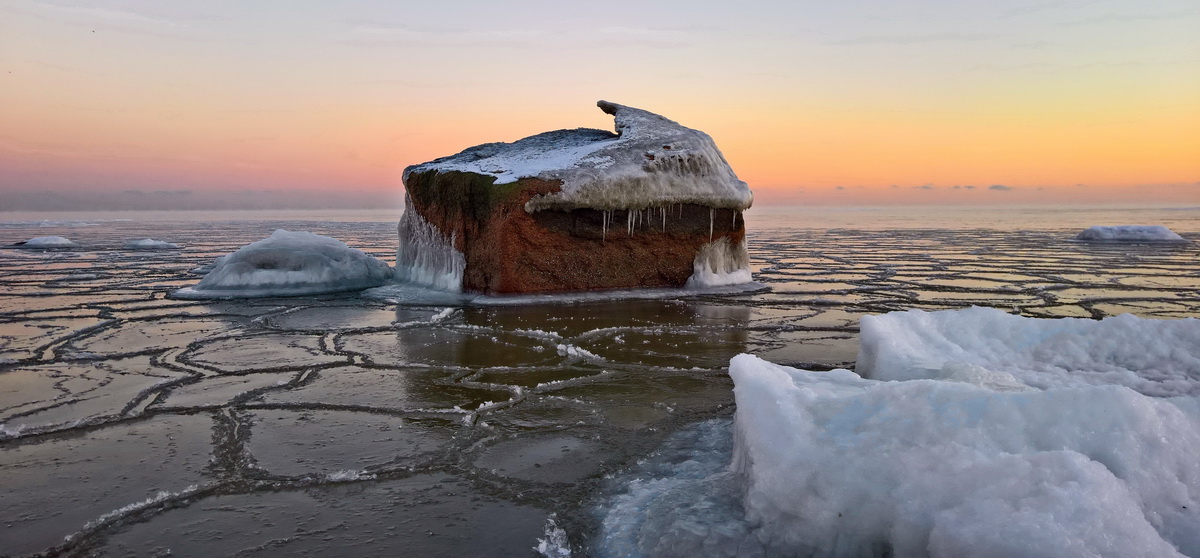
653, 205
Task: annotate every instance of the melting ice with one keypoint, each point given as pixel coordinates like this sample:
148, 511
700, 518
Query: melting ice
1030, 441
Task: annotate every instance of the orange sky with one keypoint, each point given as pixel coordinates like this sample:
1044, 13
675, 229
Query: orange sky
1089, 102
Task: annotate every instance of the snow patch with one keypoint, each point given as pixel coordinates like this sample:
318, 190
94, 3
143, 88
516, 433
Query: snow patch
1130, 233
288, 264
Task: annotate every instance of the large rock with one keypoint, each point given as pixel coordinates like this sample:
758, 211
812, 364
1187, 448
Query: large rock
654, 205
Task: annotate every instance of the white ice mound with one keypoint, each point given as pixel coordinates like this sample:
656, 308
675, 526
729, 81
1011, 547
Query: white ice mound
1130, 233
650, 161
150, 244
288, 264
838, 465
1154, 357
47, 242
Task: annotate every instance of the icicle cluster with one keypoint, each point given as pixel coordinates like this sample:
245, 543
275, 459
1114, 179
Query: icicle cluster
425, 257
720, 263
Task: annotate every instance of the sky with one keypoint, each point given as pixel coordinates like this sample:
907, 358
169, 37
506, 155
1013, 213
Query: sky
298, 103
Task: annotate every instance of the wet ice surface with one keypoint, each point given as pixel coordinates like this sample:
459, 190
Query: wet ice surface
340, 425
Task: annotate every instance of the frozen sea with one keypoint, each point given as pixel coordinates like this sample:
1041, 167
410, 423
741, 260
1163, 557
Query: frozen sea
134, 424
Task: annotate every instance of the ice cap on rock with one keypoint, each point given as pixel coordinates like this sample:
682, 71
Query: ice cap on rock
650, 161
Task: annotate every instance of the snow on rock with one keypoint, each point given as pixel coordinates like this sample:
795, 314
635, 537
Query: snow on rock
838, 465
150, 244
1130, 233
288, 264
1154, 357
650, 162
47, 242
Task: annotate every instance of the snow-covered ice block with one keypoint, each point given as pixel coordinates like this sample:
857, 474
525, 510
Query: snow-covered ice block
47, 242
150, 244
838, 465
1154, 357
1130, 233
288, 264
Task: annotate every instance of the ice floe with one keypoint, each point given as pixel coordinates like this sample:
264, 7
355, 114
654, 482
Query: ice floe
839, 465
1130, 233
1154, 357
150, 244
46, 242
287, 264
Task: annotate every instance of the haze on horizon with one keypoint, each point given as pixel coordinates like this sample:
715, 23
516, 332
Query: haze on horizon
140, 104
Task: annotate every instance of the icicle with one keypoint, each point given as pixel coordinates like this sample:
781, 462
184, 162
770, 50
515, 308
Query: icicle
603, 225
710, 224
735, 219
629, 222
664, 217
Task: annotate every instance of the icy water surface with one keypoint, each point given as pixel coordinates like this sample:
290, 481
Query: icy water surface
132, 424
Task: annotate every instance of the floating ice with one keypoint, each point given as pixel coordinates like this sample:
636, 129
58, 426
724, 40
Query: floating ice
288, 264
838, 465
150, 244
651, 161
1131, 233
47, 242
1154, 357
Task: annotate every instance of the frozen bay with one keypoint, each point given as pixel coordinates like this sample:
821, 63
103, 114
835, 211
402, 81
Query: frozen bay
134, 423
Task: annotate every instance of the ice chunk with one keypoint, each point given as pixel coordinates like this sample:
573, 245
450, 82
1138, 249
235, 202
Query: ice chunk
1131, 233
150, 244
287, 264
650, 162
47, 242
1154, 357
720, 263
838, 465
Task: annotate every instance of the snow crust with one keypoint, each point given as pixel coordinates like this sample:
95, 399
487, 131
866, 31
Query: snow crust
1153, 357
720, 263
150, 244
650, 161
288, 264
838, 465
47, 242
1130, 233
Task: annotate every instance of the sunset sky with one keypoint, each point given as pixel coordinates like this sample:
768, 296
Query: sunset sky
813, 102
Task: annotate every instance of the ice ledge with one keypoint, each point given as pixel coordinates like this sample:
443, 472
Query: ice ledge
650, 161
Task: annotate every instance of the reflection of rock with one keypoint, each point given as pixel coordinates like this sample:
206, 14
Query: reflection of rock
651, 206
